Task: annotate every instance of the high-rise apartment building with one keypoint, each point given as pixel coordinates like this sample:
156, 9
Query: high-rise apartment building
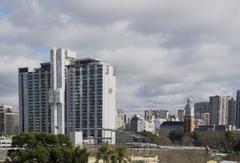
91, 94
137, 123
34, 107
237, 117
232, 112
201, 107
68, 95
219, 106
180, 114
120, 119
206, 118
60, 58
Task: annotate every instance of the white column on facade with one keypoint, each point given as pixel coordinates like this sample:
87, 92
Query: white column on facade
59, 59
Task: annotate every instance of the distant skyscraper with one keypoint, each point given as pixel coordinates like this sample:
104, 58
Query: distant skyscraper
189, 123
137, 123
238, 109
68, 95
180, 115
120, 119
232, 112
206, 118
201, 107
158, 114
9, 122
219, 109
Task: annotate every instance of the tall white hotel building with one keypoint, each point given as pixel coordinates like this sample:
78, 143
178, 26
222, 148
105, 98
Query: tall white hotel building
68, 95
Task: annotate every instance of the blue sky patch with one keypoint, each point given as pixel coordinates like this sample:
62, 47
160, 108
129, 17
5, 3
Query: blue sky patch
4, 9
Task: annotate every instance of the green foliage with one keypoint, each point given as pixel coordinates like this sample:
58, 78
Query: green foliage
234, 156
227, 141
148, 134
44, 148
120, 155
56, 155
117, 155
176, 136
64, 140
38, 154
197, 139
24, 140
104, 153
80, 155
230, 139
160, 139
47, 139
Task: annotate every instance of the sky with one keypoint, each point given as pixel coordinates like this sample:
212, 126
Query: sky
164, 50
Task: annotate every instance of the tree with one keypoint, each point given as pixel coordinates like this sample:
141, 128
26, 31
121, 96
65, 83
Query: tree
24, 140
120, 155
80, 155
197, 139
47, 139
213, 139
56, 155
229, 135
64, 140
162, 139
45, 147
148, 134
36, 155
104, 153
176, 136
186, 140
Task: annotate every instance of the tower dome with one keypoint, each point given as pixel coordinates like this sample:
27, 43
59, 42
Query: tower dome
188, 110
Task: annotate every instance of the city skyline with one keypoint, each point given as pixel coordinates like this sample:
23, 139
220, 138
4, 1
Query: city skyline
164, 51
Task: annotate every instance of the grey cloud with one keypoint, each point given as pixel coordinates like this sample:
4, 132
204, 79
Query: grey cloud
164, 51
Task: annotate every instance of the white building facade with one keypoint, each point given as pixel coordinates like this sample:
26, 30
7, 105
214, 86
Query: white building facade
70, 95
91, 99
60, 58
120, 119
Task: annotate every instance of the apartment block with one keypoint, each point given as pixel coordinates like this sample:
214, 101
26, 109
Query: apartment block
219, 106
68, 95
9, 121
34, 107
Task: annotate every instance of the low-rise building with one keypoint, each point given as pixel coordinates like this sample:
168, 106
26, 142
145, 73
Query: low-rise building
168, 126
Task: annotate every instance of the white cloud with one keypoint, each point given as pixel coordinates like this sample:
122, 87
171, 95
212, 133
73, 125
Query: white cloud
164, 51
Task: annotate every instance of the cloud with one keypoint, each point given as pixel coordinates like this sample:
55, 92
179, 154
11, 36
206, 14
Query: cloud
164, 51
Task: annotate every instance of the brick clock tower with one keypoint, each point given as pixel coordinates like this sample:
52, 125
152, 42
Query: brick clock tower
189, 122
